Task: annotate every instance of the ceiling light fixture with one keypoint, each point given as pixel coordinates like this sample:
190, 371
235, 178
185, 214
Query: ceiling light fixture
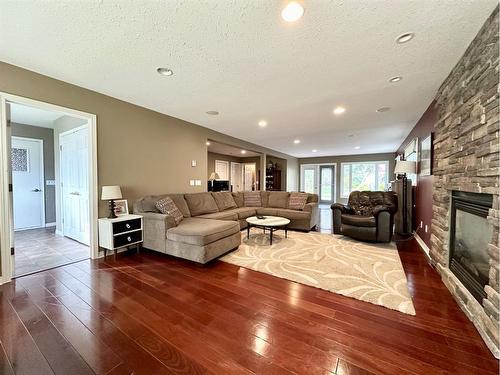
165, 71
404, 38
243, 152
357, 148
212, 113
262, 123
296, 141
339, 110
314, 150
395, 79
292, 12
383, 109
208, 143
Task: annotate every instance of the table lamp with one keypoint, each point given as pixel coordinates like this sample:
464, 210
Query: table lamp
110, 193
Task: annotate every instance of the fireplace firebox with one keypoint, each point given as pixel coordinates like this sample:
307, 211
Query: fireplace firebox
470, 234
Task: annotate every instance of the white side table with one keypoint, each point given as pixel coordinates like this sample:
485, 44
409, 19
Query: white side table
123, 231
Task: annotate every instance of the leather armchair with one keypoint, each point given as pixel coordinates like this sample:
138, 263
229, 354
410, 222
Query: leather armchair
368, 216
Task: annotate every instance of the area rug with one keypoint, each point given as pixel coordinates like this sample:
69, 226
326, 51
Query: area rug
368, 272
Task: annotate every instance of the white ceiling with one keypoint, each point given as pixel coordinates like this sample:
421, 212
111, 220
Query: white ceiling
221, 148
241, 59
22, 114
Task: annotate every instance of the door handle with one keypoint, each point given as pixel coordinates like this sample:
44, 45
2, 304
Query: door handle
75, 193
36, 190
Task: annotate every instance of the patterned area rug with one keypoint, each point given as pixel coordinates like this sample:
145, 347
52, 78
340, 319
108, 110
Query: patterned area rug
368, 272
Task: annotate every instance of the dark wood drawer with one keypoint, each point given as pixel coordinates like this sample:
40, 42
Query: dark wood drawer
125, 226
127, 238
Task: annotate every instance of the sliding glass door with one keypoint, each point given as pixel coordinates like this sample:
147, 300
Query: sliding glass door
326, 183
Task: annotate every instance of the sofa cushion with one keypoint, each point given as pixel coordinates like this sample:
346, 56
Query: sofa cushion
201, 203
224, 200
148, 203
252, 199
238, 199
226, 215
264, 198
200, 232
244, 212
267, 211
167, 206
294, 214
278, 199
359, 220
297, 201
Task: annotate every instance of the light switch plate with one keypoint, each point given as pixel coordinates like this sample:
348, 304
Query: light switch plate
193, 163
197, 182
192, 182
50, 182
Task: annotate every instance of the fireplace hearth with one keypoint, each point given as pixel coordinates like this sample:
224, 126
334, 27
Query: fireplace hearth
470, 234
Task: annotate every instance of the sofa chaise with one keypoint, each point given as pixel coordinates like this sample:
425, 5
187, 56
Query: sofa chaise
212, 222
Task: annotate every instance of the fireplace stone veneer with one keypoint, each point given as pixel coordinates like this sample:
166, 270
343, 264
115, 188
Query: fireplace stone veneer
466, 158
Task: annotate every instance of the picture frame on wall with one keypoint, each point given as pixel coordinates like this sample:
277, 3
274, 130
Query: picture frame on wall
426, 156
121, 207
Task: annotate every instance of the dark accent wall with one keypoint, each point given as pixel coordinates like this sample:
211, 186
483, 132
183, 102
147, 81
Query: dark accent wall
47, 136
422, 193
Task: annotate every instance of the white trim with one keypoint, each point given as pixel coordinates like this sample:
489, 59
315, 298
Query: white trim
5, 224
423, 246
48, 225
42, 175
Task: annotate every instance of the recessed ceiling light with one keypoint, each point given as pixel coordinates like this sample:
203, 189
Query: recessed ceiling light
243, 152
296, 141
292, 12
165, 71
212, 113
357, 148
314, 150
339, 110
395, 79
383, 109
262, 123
208, 143
403, 38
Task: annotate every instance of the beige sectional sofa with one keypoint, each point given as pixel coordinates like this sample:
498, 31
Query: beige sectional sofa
211, 226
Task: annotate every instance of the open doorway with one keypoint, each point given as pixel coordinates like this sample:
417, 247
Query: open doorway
234, 169
49, 162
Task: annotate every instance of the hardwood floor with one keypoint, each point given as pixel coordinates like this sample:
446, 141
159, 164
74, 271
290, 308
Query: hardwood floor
153, 314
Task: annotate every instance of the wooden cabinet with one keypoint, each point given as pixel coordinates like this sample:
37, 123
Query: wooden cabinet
273, 179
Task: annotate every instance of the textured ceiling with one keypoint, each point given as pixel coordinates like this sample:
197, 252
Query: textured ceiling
22, 114
239, 58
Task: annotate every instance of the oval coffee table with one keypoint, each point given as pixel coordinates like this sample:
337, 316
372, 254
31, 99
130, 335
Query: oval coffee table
272, 223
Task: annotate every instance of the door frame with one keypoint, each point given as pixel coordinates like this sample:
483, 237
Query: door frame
5, 203
61, 197
42, 176
231, 173
317, 179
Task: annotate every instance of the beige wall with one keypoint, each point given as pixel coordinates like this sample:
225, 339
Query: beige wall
390, 157
143, 151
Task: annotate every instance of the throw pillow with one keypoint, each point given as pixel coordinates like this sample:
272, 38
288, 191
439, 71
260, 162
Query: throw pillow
224, 200
168, 207
252, 199
297, 201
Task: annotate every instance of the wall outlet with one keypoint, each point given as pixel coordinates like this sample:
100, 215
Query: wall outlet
426, 229
193, 163
421, 224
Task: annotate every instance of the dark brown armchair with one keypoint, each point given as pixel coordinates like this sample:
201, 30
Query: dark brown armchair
368, 216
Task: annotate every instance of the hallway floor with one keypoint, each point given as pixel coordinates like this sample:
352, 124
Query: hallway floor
40, 249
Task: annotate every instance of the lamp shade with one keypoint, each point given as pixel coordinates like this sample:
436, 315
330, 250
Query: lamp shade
111, 192
405, 166
213, 176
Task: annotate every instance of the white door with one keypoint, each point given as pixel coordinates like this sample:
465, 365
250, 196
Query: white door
249, 176
74, 161
27, 183
237, 176
309, 178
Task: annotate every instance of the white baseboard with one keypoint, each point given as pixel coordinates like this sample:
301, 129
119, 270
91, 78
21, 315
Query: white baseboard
59, 232
422, 245
47, 225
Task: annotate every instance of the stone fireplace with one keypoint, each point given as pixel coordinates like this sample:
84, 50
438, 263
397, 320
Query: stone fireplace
465, 236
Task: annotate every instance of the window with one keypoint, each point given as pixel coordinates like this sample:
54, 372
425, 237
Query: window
222, 169
372, 176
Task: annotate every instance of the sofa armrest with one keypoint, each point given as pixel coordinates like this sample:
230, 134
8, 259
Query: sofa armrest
337, 210
344, 208
381, 208
313, 208
155, 226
